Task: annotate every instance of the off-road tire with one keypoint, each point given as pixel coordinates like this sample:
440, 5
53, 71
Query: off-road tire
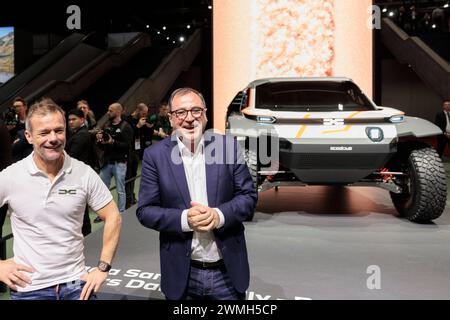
251, 158
427, 183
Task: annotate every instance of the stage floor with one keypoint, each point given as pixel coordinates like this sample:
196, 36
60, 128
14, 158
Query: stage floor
308, 243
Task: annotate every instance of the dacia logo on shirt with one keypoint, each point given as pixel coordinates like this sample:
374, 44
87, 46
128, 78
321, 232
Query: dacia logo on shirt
67, 191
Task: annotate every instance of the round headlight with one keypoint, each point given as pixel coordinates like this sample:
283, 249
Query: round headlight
375, 134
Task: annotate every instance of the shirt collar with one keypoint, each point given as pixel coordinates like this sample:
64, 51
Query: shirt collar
33, 169
186, 152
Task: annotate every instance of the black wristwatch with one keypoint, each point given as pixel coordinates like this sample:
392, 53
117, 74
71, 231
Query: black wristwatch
103, 266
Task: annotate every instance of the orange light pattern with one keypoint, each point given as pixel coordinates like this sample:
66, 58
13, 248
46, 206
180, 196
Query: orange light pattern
293, 38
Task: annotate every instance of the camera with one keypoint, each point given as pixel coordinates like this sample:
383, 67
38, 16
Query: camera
107, 133
10, 117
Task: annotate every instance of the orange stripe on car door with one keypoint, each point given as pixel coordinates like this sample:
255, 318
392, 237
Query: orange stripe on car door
303, 127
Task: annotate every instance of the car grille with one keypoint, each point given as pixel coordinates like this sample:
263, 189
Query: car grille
333, 161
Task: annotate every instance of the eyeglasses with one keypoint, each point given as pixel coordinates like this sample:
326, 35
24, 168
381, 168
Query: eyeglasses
182, 113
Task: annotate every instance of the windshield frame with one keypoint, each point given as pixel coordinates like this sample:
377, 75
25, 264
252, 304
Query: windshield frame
313, 90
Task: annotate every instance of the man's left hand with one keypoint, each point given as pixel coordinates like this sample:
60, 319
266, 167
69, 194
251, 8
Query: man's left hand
214, 222
94, 281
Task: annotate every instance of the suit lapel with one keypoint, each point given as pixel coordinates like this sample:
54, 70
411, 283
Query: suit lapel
177, 168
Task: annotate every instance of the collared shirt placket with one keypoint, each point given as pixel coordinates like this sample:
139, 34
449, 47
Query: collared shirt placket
51, 186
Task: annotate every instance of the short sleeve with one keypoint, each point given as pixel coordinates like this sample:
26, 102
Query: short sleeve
98, 194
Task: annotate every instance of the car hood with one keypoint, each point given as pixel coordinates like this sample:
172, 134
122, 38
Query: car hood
383, 112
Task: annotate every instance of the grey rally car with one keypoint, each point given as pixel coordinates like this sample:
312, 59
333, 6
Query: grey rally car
326, 131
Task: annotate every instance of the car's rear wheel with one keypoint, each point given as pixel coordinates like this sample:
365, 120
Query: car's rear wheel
425, 188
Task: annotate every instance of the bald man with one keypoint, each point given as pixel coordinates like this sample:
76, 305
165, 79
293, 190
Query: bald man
115, 140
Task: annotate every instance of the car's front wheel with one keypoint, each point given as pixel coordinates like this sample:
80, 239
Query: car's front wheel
251, 158
425, 187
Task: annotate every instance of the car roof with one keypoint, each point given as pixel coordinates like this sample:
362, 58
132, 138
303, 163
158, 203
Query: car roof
259, 82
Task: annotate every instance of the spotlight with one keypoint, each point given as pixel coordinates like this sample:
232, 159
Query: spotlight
433, 26
384, 10
147, 26
188, 26
391, 13
173, 41
164, 28
158, 32
446, 5
181, 39
168, 38
209, 7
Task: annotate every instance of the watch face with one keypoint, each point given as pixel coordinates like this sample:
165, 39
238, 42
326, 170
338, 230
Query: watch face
103, 266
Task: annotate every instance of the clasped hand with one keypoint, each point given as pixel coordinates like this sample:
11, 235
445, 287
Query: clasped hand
202, 218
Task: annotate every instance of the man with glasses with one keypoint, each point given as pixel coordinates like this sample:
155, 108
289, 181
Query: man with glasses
196, 190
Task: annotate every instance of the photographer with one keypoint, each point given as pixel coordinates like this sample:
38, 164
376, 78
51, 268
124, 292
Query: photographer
160, 122
16, 126
115, 140
141, 139
10, 121
15, 117
89, 116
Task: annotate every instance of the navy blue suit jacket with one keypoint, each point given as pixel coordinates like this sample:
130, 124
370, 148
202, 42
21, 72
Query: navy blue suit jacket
164, 194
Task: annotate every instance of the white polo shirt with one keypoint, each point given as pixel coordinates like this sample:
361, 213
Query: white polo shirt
47, 217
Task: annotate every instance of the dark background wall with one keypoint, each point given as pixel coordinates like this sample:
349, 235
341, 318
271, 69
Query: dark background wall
402, 89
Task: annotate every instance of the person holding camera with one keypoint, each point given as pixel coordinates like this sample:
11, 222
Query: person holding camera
142, 133
16, 126
115, 140
89, 116
15, 117
161, 123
